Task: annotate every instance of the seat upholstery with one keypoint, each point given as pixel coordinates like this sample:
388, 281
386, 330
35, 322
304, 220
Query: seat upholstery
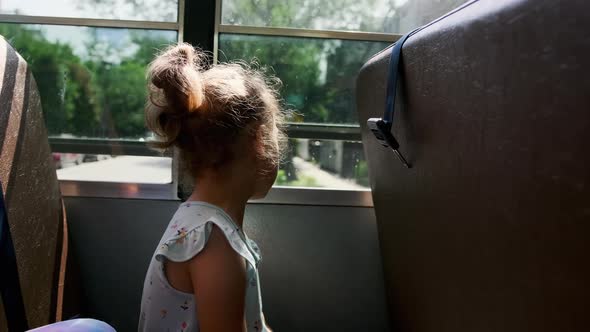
489, 231
30, 188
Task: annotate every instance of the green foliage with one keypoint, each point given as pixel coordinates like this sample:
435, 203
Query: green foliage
388, 16
307, 14
79, 97
54, 66
122, 98
361, 174
281, 178
301, 181
318, 75
88, 96
147, 10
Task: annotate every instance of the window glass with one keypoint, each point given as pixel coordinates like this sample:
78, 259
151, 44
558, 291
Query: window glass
144, 10
324, 163
388, 16
318, 75
104, 168
92, 84
91, 80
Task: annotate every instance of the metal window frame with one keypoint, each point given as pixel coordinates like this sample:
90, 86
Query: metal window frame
307, 33
278, 194
112, 147
141, 148
181, 7
89, 22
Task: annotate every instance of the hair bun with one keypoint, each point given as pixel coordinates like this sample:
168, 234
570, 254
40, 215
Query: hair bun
176, 71
185, 52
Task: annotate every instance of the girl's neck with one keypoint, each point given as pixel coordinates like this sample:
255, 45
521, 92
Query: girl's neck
224, 193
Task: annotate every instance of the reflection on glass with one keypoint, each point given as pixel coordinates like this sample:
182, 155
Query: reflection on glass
389, 16
91, 80
325, 164
143, 10
318, 75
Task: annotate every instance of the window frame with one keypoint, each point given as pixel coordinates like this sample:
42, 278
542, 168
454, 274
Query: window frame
203, 30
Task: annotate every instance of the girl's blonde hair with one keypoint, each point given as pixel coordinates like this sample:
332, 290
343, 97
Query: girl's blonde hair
204, 110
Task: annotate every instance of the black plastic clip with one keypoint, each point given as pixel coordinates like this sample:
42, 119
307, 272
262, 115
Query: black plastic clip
382, 131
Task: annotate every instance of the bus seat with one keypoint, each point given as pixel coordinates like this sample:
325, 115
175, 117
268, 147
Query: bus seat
31, 191
489, 230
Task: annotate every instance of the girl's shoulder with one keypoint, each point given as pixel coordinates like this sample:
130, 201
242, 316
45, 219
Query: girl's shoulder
190, 228
192, 215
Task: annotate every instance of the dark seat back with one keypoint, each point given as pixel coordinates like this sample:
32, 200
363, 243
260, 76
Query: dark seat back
30, 189
489, 231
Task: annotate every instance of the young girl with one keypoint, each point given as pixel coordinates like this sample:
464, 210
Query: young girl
226, 123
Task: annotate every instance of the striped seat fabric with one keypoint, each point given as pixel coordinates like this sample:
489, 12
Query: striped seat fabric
31, 192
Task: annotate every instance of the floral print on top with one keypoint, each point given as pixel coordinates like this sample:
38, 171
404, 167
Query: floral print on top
163, 308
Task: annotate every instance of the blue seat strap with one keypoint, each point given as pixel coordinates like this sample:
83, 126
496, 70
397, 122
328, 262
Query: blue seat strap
394, 69
381, 127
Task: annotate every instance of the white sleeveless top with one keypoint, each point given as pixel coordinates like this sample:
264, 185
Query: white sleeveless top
164, 308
